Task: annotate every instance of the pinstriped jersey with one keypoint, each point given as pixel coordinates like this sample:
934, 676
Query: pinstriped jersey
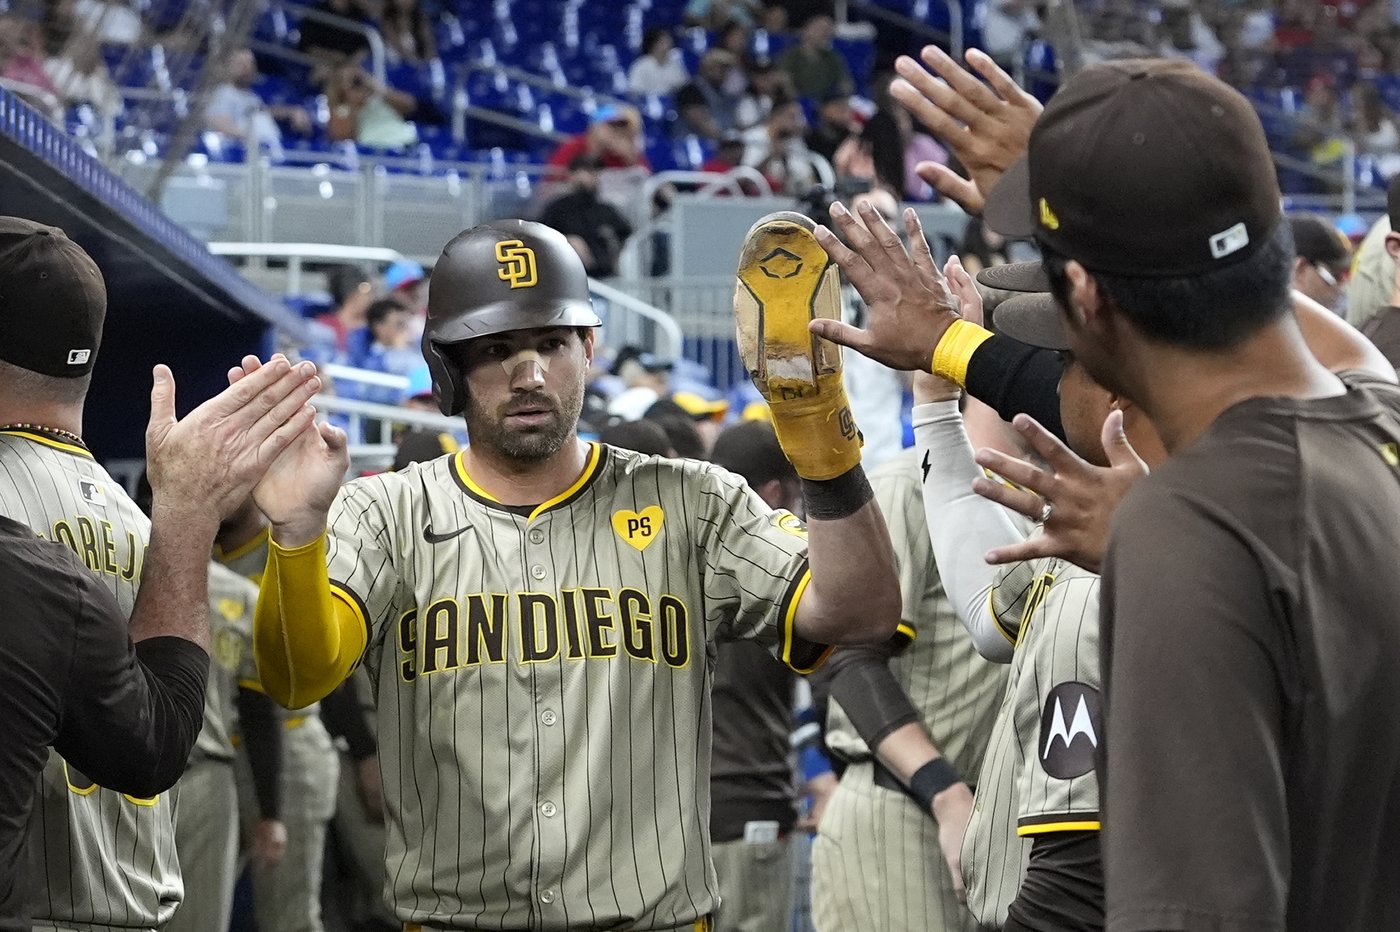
99, 858
231, 602
1038, 775
543, 677
952, 686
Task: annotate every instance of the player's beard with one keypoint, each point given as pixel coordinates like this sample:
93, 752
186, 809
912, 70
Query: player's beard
533, 443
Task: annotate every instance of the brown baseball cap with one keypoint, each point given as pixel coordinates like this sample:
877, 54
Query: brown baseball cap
52, 300
1146, 168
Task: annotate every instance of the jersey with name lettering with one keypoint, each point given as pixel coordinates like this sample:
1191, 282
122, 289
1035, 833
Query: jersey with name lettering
543, 681
231, 602
99, 859
1038, 775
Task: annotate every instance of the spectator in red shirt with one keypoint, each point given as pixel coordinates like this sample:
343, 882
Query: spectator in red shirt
613, 137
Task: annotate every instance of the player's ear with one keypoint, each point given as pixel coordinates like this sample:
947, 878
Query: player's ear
1392, 245
588, 335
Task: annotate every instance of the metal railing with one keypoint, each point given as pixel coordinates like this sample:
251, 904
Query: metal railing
372, 426
627, 317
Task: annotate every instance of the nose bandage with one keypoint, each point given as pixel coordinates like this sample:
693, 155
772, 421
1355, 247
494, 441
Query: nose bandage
511, 363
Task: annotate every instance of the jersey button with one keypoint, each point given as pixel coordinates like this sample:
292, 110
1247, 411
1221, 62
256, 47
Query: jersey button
536, 536
548, 810
548, 717
547, 897
537, 571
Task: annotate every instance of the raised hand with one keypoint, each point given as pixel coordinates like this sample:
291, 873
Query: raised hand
986, 128
909, 305
1074, 500
210, 460
301, 483
962, 287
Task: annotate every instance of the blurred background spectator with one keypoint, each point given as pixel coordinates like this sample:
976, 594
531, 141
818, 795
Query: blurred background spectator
236, 111
367, 111
816, 69
613, 138
709, 105
660, 68
595, 228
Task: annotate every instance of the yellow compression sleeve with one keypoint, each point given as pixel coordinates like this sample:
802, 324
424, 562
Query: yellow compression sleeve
955, 349
306, 639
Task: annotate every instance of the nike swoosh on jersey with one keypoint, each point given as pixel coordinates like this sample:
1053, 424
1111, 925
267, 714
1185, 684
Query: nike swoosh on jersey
432, 538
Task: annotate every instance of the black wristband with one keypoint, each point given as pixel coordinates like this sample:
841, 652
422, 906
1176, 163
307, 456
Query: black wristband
931, 779
834, 499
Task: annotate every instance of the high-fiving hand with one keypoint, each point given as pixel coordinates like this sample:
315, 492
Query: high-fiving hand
986, 127
909, 305
1073, 499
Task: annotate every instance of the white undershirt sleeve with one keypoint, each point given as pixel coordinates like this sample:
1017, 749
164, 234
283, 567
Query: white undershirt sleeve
962, 525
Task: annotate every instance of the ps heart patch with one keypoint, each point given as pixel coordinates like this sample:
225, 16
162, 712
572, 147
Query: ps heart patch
639, 528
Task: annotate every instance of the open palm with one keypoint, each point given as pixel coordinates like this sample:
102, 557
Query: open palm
300, 485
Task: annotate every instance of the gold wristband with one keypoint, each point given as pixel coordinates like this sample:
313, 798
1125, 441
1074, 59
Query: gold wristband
955, 349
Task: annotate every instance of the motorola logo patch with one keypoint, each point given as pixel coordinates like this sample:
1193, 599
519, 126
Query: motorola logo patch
1069, 730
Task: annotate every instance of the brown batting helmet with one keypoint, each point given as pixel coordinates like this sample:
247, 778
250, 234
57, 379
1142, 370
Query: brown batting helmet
500, 276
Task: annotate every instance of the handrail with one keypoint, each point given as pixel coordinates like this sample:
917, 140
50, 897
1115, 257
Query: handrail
709, 181
953, 38
377, 55
521, 76
665, 322
387, 413
297, 254
365, 376
461, 109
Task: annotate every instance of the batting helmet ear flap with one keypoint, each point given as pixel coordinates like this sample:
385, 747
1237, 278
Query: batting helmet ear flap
449, 389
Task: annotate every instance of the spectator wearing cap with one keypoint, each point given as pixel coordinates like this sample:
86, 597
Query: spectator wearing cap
406, 282
785, 160
660, 69
1323, 262
595, 228
613, 138
709, 105
817, 70
645, 378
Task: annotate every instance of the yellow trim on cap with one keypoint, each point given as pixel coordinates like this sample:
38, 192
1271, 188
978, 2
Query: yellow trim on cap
907, 630
49, 442
1045, 827
954, 351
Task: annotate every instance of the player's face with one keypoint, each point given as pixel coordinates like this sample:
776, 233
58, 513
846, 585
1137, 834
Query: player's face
525, 390
1083, 408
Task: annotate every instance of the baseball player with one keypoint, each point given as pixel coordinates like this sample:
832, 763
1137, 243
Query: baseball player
103, 860
293, 814
877, 863
1037, 778
538, 614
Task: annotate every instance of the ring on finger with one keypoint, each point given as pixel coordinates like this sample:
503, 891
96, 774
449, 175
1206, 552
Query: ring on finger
1046, 511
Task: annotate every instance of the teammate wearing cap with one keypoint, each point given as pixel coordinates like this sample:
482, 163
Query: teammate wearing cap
537, 614
1245, 661
102, 860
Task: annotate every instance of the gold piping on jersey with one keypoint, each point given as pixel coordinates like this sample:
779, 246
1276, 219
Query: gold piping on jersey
585, 479
790, 627
907, 630
242, 550
1043, 828
49, 442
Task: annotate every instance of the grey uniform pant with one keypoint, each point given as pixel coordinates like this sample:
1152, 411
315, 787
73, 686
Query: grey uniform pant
206, 839
877, 866
755, 886
287, 898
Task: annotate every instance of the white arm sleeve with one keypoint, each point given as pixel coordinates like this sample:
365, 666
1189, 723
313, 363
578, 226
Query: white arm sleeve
963, 525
